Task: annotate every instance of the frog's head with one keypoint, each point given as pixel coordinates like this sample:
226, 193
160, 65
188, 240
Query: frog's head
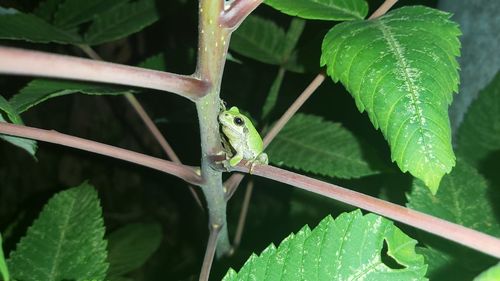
233, 122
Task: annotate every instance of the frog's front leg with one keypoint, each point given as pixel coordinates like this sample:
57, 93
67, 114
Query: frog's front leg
236, 159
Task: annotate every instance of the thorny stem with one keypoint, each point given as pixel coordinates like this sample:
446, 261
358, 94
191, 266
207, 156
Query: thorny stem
457, 233
35, 63
184, 172
153, 129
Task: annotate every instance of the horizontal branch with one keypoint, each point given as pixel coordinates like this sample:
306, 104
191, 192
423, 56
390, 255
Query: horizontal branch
35, 63
451, 231
237, 11
184, 172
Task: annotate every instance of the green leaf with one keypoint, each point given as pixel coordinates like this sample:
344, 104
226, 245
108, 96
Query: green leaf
292, 36
492, 274
47, 9
156, 62
401, 68
74, 12
259, 39
66, 241
19, 26
122, 21
338, 10
29, 145
479, 133
272, 96
40, 90
443, 266
463, 198
131, 246
4, 271
312, 144
346, 248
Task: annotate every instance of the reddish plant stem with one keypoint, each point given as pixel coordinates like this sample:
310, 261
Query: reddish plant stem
209, 253
153, 129
462, 235
237, 12
35, 63
184, 172
383, 9
243, 215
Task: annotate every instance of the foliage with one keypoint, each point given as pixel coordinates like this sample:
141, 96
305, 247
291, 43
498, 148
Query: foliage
320, 147
4, 271
66, 241
401, 69
349, 246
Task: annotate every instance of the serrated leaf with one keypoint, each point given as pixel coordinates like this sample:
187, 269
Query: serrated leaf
337, 10
20, 26
66, 241
259, 39
28, 145
4, 271
312, 144
74, 12
347, 248
131, 246
463, 198
492, 274
40, 90
122, 21
401, 69
479, 133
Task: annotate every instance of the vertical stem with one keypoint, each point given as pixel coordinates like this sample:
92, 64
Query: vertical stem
212, 50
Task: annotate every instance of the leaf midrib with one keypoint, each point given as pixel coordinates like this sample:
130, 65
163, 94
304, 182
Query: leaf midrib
403, 66
349, 12
66, 219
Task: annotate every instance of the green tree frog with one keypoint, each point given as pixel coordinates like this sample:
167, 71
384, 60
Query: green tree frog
245, 142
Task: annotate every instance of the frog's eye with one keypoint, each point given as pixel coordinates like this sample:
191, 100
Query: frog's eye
238, 121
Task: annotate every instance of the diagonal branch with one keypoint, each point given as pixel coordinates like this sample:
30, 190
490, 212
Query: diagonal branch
457, 233
184, 172
26, 62
237, 11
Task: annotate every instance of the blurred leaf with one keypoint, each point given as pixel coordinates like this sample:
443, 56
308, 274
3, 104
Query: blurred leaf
463, 198
347, 247
443, 266
29, 145
337, 10
259, 39
66, 241
47, 9
19, 26
272, 96
401, 69
479, 133
492, 274
131, 246
4, 271
156, 62
121, 21
40, 90
312, 144
292, 36
74, 12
